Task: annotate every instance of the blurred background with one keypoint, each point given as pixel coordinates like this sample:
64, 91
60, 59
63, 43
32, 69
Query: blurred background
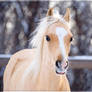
18, 19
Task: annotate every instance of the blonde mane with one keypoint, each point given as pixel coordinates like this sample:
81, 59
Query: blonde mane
41, 29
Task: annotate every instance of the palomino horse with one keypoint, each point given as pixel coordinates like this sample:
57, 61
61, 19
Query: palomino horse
45, 66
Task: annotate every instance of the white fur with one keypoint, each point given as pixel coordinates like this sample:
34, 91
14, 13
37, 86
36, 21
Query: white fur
61, 33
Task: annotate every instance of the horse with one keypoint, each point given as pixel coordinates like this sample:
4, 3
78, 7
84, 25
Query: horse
44, 66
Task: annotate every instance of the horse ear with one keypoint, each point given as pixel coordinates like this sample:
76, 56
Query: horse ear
50, 12
67, 15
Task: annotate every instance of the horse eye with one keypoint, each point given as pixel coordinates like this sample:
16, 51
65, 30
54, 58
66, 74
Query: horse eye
47, 38
71, 39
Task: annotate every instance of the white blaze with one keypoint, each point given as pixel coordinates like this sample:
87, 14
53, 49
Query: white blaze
61, 33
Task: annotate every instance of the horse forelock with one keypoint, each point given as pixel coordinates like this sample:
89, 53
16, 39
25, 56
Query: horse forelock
42, 28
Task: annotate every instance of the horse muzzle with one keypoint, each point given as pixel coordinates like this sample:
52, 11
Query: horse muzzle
61, 66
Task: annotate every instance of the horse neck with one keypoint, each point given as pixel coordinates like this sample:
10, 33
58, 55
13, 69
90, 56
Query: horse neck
47, 72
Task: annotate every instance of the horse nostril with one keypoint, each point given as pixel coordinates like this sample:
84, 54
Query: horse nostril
66, 64
58, 63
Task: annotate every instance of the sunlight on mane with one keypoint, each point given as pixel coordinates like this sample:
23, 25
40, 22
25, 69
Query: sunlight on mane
41, 29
